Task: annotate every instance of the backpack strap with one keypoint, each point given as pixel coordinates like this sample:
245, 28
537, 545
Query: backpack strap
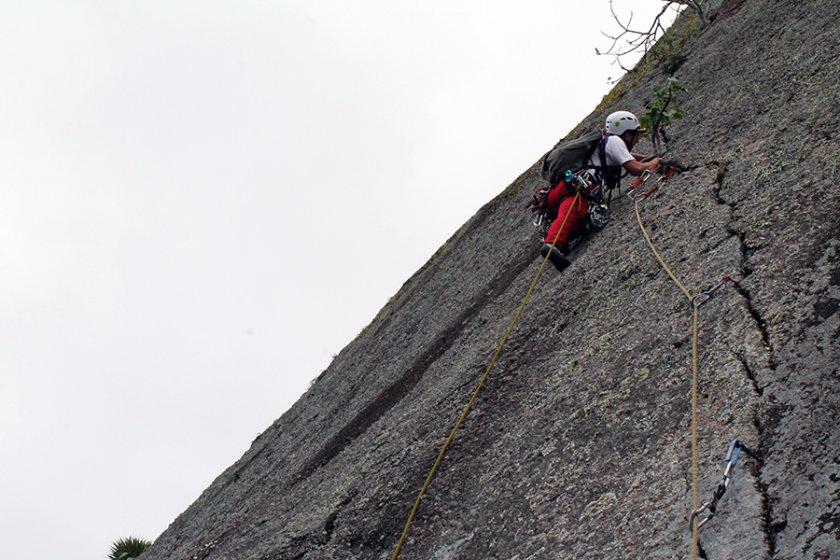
602, 154
609, 176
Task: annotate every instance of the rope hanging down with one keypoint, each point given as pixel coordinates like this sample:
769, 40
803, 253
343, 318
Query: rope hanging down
475, 393
694, 461
695, 302
736, 446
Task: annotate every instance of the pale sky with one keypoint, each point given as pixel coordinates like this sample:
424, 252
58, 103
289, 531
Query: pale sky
201, 202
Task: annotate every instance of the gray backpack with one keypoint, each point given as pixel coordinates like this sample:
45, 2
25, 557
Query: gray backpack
570, 156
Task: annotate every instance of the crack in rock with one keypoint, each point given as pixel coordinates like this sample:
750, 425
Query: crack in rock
768, 528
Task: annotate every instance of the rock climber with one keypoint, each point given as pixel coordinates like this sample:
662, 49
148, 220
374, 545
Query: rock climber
622, 133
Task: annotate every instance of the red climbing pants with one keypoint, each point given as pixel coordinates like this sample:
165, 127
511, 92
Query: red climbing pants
562, 201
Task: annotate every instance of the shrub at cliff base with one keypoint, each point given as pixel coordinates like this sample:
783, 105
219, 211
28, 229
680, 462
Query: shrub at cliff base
128, 548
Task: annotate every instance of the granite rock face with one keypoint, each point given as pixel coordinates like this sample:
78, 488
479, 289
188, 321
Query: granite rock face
579, 446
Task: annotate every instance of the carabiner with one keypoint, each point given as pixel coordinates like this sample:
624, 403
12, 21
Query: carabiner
732, 455
703, 297
642, 178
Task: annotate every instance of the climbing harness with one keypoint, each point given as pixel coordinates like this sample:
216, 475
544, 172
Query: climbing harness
732, 455
590, 188
593, 191
582, 182
703, 297
475, 394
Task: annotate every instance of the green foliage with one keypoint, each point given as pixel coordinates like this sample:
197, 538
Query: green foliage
669, 48
128, 548
660, 112
670, 45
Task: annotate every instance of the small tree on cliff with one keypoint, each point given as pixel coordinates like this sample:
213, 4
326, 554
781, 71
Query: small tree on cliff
660, 112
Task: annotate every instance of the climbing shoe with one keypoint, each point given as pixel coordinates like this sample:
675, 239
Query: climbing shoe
557, 258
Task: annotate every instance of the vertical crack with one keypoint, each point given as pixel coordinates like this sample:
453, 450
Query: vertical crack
760, 323
746, 271
701, 552
769, 528
750, 374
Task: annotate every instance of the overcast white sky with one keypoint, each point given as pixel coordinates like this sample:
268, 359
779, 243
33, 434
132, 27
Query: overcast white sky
202, 201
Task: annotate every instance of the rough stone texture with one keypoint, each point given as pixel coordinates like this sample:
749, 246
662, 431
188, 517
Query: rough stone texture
579, 444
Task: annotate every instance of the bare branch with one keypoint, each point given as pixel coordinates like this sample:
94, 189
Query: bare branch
631, 40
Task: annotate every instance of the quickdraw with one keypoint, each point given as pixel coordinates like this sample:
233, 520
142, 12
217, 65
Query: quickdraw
641, 194
703, 297
642, 178
661, 181
732, 455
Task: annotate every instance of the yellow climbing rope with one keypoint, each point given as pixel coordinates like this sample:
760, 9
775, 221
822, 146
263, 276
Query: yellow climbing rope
694, 467
480, 384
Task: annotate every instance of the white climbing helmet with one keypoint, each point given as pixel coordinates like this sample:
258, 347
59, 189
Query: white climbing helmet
621, 121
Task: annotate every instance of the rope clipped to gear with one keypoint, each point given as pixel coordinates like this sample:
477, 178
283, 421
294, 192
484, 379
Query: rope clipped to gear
703, 297
731, 459
475, 393
640, 194
694, 461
